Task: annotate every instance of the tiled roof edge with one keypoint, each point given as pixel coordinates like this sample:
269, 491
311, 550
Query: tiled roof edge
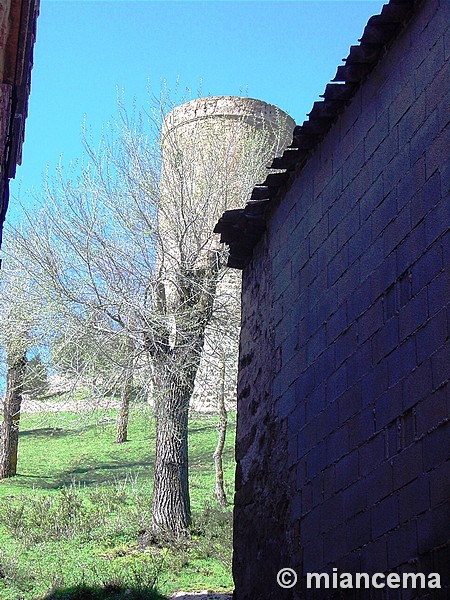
19, 82
242, 228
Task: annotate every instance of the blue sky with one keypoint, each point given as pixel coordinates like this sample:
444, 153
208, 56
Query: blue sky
282, 52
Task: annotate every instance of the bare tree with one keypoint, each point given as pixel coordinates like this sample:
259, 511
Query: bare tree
11, 415
218, 453
128, 238
126, 393
18, 313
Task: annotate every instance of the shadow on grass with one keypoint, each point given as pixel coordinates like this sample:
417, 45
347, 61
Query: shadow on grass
95, 474
211, 426
110, 592
199, 429
48, 432
200, 459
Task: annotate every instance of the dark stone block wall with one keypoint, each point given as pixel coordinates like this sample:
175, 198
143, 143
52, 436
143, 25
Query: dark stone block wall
343, 438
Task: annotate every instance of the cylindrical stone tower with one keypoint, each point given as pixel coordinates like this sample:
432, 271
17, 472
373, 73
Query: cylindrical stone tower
214, 151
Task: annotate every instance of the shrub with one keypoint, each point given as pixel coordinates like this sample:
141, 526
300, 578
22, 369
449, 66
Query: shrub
73, 512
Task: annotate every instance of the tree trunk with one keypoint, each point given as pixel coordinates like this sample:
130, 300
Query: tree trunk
11, 418
122, 417
171, 510
127, 396
220, 490
175, 355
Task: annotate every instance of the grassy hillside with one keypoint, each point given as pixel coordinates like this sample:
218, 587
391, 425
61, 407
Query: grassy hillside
70, 520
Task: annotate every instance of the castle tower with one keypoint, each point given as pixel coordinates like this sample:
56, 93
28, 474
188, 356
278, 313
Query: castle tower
214, 150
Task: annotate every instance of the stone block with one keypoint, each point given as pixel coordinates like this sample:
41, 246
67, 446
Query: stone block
306, 383
318, 235
431, 65
431, 336
349, 403
385, 153
361, 427
402, 545
411, 248
333, 544
380, 482
411, 120
376, 134
359, 242
315, 403
424, 136
431, 412
355, 498
371, 198
331, 513
325, 364
316, 345
389, 406
370, 321
402, 102
337, 383
402, 361
355, 160
438, 292
383, 276
338, 443
358, 301
385, 516
371, 454
439, 482
432, 528
332, 191
437, 219
348, 227
407, 465
349, 282
384, 213
316, 459
299, 254
427, 267
414, 499
416, 385
374, 557
359, 363
327, 305
436, 446
358, 531
397, 230
413, 314
347, 470
436, 150
374, 383
439, 366
395, 170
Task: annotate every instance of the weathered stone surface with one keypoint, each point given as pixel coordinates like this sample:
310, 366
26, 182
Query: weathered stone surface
342, 378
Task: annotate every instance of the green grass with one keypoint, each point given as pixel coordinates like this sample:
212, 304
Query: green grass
70, 519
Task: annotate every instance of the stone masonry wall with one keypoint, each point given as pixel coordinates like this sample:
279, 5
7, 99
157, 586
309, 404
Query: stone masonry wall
342, 435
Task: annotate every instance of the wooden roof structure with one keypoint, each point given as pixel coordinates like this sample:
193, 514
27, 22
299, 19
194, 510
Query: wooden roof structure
17, 37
